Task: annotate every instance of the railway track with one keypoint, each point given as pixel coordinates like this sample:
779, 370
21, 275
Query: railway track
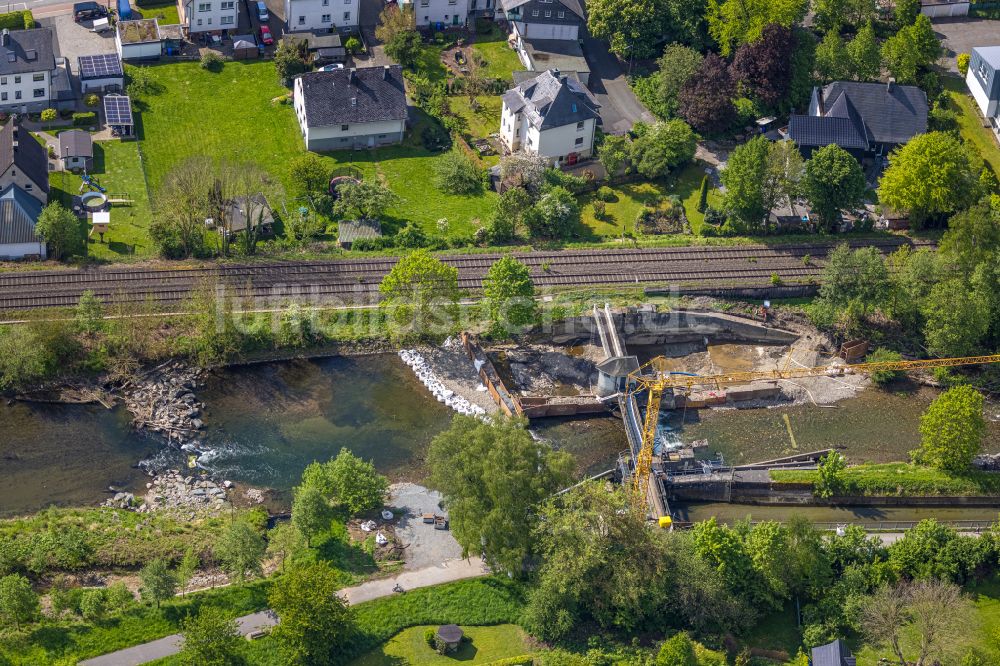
356, 280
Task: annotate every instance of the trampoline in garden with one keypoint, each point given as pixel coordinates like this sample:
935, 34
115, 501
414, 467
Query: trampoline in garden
337, 181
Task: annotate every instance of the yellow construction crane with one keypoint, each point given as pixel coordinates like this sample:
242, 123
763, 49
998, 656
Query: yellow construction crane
661, 379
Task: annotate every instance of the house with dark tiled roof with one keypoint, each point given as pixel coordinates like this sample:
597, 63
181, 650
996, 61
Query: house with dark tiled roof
864, 119
27, 69
546, 35
24, 190
552, 115
351, 108
18, 216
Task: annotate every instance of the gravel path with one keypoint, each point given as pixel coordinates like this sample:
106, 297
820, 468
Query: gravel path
424, 545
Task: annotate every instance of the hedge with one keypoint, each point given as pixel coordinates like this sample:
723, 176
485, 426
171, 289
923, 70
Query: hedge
85, 118
21, 20
520, 660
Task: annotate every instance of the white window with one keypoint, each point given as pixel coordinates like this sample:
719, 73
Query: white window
347, 17
302, 20
579, 126
204, 6
226, 20
343, 128
17, 79
425, 3
3, 81
17, 94
561, 14
548, 13
38, 92
27, 186
3, 97
579, 141
534, 12
37, 77
325, 18
209, 21
228, 4
452, 2
199, 21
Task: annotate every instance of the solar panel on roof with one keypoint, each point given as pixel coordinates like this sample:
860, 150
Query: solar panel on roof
105, 65
118, 110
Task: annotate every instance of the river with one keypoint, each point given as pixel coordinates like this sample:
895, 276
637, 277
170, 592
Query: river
266, 422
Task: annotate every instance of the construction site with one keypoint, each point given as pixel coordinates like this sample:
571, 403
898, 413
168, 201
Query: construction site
656, 370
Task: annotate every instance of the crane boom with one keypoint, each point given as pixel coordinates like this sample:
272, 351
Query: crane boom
663, 379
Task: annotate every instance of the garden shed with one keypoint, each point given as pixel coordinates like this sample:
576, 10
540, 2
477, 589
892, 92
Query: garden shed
76, 150
101, 73
138, 40
245, 47
350, 231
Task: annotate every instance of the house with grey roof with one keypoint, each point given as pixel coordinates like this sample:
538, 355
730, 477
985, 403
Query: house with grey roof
351, 108
23, 162
546, 35
865, 119
18, 216
27, 66
984, 82
552, 115
76, 150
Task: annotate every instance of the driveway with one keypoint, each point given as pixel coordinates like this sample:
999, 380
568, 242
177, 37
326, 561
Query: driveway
620, 108
960, 34
445, 572
73, 40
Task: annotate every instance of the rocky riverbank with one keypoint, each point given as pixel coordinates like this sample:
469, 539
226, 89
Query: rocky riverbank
163, 401
174, 491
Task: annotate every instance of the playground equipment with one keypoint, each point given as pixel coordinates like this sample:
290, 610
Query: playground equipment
90, 182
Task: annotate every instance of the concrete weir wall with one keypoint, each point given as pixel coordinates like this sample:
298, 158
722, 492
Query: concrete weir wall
646, 327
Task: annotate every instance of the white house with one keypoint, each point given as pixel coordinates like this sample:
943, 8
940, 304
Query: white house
983, 80
211, 16
26, 69
433, 13
342, 15
552, 115
944, 8
24, 189
544, 19
351, 108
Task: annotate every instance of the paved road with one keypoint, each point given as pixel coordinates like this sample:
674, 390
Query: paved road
620, 108
169, 645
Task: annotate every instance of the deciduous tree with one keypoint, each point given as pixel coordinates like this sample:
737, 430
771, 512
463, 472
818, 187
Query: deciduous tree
493, 475
397, 30
763, 67
952, 429
911, 50
18, 602
555, 215
633, 28
366, 200
747, 201
311, 512
456, 173
316, 623
856, 278
832, 60
348, 482
310, 175
283, 542
973, 237
613, 153
865, 56
732, 23
187, 568
211, 639
677, 64
930, 177
61, 231
678, 650
706, 99
158, 582
421, 292
240, 549
509, 296
661, 147
833, 181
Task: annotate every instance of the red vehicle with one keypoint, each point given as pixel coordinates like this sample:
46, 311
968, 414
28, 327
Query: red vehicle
265, 35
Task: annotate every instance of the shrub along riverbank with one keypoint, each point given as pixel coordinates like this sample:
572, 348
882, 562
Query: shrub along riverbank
899, 480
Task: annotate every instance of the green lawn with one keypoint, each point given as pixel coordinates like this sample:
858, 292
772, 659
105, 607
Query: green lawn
969, 122
633, 197
117, 168
429, 63
165, 11
902, 479
500, 60
480, 123
485, 644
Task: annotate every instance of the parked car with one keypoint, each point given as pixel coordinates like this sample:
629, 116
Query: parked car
330, 68
85, 11
262, 14
265, 35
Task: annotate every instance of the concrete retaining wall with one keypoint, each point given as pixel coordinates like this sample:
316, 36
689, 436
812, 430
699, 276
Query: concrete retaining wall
648, 328
801, 495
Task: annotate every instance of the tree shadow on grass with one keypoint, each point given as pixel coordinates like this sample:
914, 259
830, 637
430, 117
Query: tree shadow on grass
466, 651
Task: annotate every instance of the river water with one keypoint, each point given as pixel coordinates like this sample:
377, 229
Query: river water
265, 423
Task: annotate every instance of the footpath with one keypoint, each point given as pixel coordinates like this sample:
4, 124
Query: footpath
445, 572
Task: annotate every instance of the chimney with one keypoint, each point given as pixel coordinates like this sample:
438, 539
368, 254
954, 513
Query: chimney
890, 84
354, 101
14, 134
385, 72
353, 76
5, 38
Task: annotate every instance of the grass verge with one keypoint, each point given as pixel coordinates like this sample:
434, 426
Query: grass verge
969, 123
485, 644
901, 480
